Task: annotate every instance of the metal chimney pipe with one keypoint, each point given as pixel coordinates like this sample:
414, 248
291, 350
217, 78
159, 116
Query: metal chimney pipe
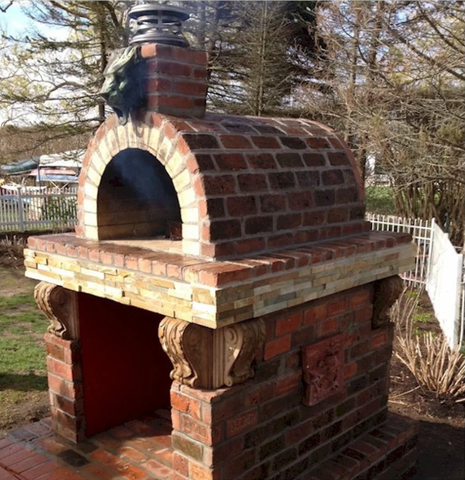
158, 23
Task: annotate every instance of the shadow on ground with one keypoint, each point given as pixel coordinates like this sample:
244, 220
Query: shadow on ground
28, 382
441, 452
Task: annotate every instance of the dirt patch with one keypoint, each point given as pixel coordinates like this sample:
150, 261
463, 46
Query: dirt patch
27, 409
441, 454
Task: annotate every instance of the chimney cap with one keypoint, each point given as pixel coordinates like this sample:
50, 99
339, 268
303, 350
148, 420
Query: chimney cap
158, 23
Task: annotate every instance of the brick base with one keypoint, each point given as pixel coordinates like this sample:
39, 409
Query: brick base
65, 387
386, 453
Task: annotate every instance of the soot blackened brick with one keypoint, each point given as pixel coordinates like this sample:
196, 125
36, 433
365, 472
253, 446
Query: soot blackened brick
201, 141
252, 183
325, 198
293, 143
272, 203
289, 160
282, 180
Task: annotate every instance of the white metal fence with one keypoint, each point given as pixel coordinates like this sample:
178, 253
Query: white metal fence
24, 209
438, 268
444, 286
422, 233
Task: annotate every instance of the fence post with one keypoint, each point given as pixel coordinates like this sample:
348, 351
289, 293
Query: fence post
430, 252
21, 211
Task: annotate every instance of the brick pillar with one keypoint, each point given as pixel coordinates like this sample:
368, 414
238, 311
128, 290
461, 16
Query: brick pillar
177, 80
63, 359
65, 387
207, 428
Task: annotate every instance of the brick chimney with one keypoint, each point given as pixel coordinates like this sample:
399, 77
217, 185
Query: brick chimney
176, 74
176, 81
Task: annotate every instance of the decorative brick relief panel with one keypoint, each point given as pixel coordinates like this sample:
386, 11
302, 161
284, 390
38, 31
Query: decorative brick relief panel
323, 365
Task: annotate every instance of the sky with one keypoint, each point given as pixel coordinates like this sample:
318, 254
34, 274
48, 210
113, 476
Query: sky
14, 21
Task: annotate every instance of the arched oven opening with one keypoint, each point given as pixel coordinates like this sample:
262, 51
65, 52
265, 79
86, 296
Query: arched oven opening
137, 199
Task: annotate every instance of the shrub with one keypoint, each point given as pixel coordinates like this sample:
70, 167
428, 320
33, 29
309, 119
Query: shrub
435, 366
12, 247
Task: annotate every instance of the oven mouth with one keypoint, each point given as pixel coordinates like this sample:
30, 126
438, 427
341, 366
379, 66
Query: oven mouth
137, 199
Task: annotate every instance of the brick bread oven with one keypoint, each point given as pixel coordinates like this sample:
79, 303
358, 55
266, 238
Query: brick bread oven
240, 243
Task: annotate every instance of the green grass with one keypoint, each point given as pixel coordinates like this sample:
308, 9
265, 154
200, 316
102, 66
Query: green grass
380, 200
23, 374
422, 317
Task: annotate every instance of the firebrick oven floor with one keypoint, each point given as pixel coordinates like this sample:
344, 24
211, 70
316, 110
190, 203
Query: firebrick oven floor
141, 450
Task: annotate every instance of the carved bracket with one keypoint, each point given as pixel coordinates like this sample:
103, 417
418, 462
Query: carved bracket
206, 358
323, 368
60, 306
386, 292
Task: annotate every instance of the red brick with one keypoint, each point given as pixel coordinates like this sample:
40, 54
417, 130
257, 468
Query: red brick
63, 370
200, 431
315, 314
159, 85
350, 370
261, 394
94, 255
337, 307
52, 445
235, 141
260, 224
328, 327
17, 457
277, 347
298, 433
199, 472
380, 339
218, 185
360, 298
266, 142
288, 324
180, 464
107, 258
60, 474
175, 102
252, 182
96, 471
317, 143
249, 245
26, 463
363, 315
36, 472
191, 88
288, 383
241, 423
230, 162
186, 404
61, 386
169, 67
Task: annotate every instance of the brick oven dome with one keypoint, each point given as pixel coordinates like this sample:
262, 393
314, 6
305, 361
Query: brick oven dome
244, 184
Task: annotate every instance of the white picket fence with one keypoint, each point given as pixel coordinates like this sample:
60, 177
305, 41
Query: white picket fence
439, 268
28, 209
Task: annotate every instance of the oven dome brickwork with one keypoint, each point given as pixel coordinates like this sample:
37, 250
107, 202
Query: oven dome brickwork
244, 184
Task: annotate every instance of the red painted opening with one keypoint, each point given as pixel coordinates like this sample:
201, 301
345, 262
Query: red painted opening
125, 370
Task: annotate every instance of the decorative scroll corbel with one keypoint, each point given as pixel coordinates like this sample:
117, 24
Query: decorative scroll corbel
241, 341
60, 307
385, 293
206, 358
187, 345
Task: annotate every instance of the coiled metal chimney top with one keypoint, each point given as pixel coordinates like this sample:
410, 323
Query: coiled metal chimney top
158, 23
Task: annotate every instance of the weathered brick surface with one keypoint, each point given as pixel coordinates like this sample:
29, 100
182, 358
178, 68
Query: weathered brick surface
238, 161
263, 425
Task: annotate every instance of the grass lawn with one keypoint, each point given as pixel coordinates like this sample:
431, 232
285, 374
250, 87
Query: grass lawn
23, 380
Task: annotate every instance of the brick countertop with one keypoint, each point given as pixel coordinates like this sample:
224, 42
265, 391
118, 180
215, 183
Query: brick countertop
215, 293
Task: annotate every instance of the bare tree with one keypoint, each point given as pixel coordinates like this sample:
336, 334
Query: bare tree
399, 95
